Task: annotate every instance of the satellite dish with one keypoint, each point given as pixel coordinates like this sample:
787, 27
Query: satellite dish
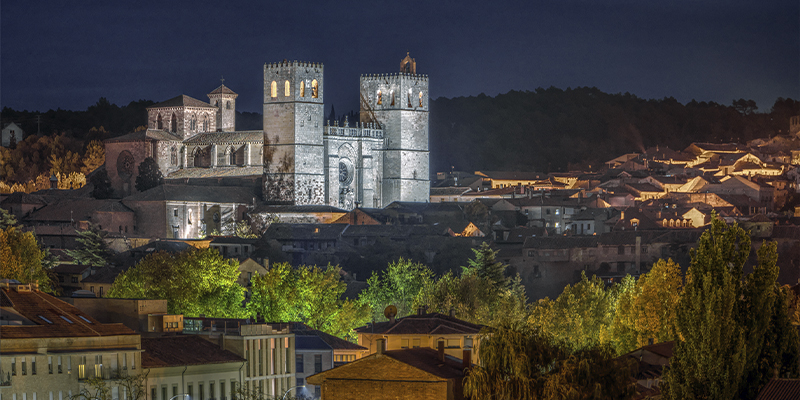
390, 312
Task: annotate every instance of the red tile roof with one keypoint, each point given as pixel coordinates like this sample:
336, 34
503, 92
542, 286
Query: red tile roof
183, 350
780, 389
52, 318
424, 324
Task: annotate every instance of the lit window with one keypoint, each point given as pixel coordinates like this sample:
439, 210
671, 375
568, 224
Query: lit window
84, 319
65, 319
314, 89
302, 88
420, 99
46, 320
274, 90
380, 97
286, 89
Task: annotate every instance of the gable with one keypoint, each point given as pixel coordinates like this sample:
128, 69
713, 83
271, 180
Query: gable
374, 367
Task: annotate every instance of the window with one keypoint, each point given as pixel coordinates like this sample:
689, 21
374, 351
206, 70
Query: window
24, 368
189, 217
211, 390
13, 366
33, 365
74, 279
153, 393
621, 250
124, 361
222, 390
174, 123
274, 90
159, 122
299, 363
415, 343
47, 320
409, 98
317, 363
82, 367
380, 97
287, 89
467, 342
302, 88
91, 289
420, 99
173, 156
392, 94
50, 365
174, 390
174, 212
205, 123
453, 343
200, 392
228, 105
98, 365
314, 89
404, 343
164, 393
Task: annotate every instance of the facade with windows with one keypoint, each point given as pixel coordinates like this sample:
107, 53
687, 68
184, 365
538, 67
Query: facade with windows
49, 349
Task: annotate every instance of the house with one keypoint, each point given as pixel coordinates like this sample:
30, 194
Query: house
69, 277
133, 313
233, 246
422, 330
317, 351
397, 374
50, 348
267, 348
650, 363
188, 364
12, 133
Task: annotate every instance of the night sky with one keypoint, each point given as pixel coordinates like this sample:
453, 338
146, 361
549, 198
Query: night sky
68, 54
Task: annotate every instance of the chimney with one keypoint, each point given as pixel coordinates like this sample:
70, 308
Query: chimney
441, 350
650, 341
466, 359
381, 346
391, 319
452, 312
419, 310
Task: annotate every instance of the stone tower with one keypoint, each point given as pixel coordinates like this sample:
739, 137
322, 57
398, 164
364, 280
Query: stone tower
399, 104
294, 170
224, 100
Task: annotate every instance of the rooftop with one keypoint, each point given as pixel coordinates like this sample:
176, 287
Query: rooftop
183, 350
423, 324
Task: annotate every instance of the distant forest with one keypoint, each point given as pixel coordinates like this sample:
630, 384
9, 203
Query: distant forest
545, 130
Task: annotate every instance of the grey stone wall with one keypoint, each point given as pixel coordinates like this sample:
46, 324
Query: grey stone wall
183, 117
399, 102
359, 151
226, 110
293, 114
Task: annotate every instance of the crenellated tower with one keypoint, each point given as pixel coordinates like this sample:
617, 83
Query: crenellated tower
224, 99
293, 133
398, 103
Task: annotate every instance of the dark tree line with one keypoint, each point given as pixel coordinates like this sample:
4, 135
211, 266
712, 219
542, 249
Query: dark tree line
554, 129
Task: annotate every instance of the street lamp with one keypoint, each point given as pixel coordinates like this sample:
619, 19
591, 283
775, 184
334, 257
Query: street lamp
286, 392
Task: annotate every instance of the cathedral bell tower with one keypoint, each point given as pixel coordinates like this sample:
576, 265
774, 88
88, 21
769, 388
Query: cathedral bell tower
293, 158
224, 100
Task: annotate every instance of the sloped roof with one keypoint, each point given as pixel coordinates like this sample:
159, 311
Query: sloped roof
222, 89
53, 318
145, 135
217, 172
511, 175
302, 330
227, 137
183, 350
182, 101
560, 242
423, 324
23, 198
281, 231
780, 389
210, 194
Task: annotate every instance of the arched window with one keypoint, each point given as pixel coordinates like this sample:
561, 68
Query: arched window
420, 99
205, 123
302, 88
174, 123
392, 97
228, 105
380, 97
159, 122
182, 156
231, 156
274, 90
287, 89
173, 156
314, 89
409, 98
193, 123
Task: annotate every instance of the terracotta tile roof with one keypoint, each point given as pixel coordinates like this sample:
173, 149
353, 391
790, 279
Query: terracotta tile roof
183, 350
222, 89
227, 137
182, 101
424, 324
780, 389
53, 318
427, 359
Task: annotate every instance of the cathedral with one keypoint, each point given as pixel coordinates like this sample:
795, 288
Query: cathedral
300, 159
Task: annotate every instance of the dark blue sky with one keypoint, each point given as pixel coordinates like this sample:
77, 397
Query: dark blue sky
68, 54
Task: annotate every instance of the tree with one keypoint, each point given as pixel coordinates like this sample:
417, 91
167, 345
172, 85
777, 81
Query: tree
194, 282
308, 294
581, 317
7, 219
102, 184
519, 361
746, 107
98, 388
398, 285
485, 264
94, 156
647, 310
21, 259
149, 175
733, 335
92, 248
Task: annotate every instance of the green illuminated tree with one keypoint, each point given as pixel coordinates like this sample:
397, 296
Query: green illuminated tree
92, 248
486, 266
149, 175
397, 285
734, 330
194, 282
21, 259
582, 315
307, 294
7, 219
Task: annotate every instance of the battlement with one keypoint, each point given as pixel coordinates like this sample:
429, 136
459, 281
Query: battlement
361, 129
393, 77
294, 63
